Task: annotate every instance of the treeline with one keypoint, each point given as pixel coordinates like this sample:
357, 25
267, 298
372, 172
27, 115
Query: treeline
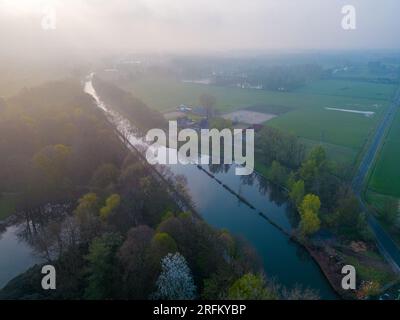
117, 244
53, 139
132, 108
320, 197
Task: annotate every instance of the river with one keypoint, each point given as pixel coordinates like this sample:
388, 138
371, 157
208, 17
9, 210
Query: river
283, 259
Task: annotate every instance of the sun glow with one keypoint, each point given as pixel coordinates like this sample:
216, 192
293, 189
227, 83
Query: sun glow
24, 7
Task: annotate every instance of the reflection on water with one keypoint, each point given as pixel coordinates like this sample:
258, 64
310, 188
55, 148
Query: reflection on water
15, 255
283, 259
32, 238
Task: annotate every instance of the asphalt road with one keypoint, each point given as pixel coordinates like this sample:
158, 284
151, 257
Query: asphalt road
385, 243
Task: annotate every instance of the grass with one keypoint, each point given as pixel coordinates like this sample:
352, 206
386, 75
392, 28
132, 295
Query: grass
385, 178
7, 205
347, 88
343, 156
301, 112
370, 273
165, 94
334, 127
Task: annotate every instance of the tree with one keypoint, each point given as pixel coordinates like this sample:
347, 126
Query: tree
310, 223
278, 173
104, 176
297, 192
53, 161
162, 244
314, 169
87, 216
220, 123
175, 281
101, 269
112, 203
348, 218
273, 144
87, 206
310, 202
208, 102
309, 210
250, 287
138, 275
390, 211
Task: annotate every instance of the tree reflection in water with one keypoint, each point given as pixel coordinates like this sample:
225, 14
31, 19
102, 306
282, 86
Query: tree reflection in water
47, 229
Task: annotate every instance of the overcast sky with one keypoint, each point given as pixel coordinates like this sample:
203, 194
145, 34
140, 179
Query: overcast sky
198, 25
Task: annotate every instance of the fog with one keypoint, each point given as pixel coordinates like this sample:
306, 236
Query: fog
193, 26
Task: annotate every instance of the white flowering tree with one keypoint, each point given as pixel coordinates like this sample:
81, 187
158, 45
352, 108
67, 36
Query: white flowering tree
175, 281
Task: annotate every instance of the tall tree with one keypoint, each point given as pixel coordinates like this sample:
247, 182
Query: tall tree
250, 287
87, 215
137, 271
309, 210
175, 281
208, 102
101, 270
112, 203
297, 192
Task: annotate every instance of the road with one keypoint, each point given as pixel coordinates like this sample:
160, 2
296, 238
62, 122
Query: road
385, 243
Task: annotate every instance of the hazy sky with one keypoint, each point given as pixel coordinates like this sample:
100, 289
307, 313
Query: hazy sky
197, 25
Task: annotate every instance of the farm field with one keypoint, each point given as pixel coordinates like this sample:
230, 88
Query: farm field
385, 178
303, 113
347, 88
344, 156
165, 94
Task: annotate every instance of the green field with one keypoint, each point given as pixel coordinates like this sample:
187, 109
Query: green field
352, 89
385, 178
165, 94
304, 114
342, 155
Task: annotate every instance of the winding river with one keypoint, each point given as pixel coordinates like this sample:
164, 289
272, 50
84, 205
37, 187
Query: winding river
283, 259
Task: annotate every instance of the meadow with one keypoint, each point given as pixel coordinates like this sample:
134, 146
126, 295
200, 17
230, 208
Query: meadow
165, 94
303, 111
385, 178
353, 89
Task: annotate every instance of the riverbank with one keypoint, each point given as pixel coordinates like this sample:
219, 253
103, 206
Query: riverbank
370, 265
331, 268
331, 272
322, 259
